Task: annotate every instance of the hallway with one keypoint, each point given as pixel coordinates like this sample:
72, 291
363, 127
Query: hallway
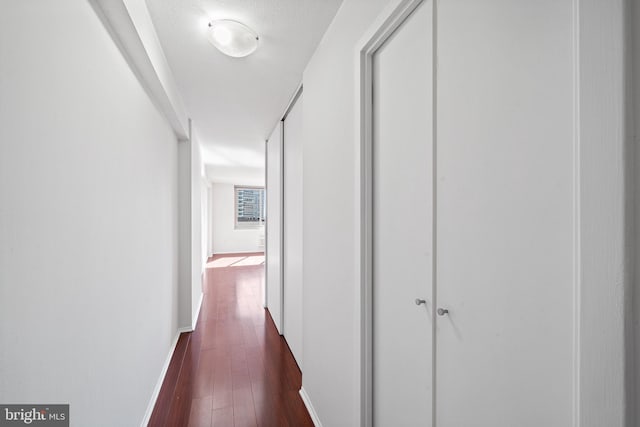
236, 370
447, 193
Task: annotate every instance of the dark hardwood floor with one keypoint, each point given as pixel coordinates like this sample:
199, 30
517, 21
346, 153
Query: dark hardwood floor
234, 370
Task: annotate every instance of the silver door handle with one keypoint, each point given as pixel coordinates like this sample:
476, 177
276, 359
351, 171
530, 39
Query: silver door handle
442, 311
420, 301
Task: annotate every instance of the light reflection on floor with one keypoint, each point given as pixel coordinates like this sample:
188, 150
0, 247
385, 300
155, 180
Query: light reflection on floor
237, 261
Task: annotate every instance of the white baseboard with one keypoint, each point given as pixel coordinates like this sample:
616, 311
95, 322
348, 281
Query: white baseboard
184, 329
194, 321
312, 411
156, 390
165, 367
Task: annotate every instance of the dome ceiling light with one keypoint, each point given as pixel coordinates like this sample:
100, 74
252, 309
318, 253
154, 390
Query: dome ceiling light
233, 38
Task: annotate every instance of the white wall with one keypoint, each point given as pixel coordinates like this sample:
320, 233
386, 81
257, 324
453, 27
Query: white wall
197, 264
329, 225
130, 25
210, 219
141, 18
184, 236
190, 264
226, 238
88, 219
205, 218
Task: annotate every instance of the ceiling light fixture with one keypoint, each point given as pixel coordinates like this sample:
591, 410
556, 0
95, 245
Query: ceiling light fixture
233, 38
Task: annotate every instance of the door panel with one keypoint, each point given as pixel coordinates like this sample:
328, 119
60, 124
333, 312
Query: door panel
292, 264
402, 224
274, 226
504, 213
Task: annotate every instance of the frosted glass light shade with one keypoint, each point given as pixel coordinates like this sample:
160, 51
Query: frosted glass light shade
233, 38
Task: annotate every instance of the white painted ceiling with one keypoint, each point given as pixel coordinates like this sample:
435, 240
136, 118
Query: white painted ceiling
235, 103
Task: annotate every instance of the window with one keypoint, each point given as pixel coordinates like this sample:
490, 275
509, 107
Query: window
249, 206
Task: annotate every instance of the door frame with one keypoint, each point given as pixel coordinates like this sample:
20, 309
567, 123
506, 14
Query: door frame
278, 286
603, 269
283, 297
384, 26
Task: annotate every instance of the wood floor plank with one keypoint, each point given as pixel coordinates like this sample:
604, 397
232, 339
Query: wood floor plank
222, 417
244, 416
203, 380
201, 412
234, 370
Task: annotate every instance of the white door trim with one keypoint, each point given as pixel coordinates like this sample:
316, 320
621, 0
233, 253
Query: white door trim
602, 270
275, 304
290, 105
265, 285
384, 26
601, 266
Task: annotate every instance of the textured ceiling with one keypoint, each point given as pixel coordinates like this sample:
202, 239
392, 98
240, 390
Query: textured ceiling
235, 102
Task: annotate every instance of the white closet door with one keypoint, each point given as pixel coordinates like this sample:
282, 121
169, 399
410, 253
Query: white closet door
402, 224
293, 230
274, 226
505, 213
